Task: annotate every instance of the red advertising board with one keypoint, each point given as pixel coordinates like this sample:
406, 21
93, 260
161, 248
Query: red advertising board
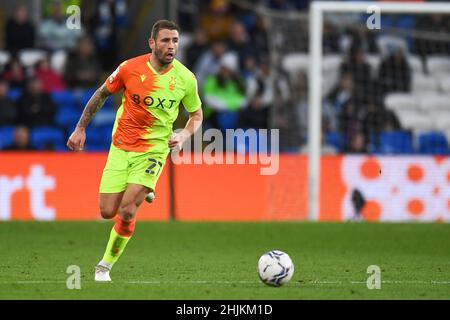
64, 186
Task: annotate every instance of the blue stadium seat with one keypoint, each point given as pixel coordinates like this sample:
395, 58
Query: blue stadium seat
406, 22
109, 105
42, 136
64, 98
90, 147
67, 117
387, 22
433, 143
6, 136
395, 142
99, 136
14, 93
335, 139
105, 117
61, 147
227, 119
85, 95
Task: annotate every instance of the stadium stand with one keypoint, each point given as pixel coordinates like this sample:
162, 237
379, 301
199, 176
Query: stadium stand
396, 142
47, 138
6, 136
419, 95
433, 143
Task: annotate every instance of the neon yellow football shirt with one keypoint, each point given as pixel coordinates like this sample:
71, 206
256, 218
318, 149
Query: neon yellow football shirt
150, 103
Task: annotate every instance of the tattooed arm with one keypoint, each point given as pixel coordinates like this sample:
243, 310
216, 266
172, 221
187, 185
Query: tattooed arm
94, 104
78, 137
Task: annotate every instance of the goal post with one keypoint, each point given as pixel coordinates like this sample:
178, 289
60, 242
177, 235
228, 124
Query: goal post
315, 79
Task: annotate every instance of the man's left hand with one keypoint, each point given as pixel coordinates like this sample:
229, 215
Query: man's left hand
176, 141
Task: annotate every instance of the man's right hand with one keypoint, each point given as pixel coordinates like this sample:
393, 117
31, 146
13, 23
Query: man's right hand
77, 139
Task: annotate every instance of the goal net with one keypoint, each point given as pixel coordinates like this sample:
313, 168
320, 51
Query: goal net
371, 86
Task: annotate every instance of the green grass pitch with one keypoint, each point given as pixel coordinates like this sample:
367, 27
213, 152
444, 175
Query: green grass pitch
178, 260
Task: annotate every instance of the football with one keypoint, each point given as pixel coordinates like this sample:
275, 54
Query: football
275, 268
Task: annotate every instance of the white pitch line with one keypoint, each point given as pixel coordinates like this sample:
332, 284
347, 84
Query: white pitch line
313, 282
324, 282
309, 282
35, 282
406, 282
190, 282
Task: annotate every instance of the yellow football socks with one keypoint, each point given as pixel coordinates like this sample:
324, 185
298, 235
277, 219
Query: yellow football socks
115, 247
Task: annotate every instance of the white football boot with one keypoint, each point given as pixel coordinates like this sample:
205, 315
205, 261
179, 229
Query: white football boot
102, 273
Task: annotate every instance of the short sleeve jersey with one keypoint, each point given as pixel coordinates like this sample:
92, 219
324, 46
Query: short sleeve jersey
150, 103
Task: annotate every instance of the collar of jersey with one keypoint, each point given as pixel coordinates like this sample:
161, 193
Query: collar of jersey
155, 72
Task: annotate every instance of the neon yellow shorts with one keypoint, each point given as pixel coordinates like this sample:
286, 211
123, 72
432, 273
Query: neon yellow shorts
123, 167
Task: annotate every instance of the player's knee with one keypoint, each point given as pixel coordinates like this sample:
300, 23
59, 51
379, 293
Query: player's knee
107, 213
126, 213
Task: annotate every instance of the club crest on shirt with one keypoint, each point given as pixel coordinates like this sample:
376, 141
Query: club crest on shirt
172, 83
143, 77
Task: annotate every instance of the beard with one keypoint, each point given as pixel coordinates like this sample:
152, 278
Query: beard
161, 57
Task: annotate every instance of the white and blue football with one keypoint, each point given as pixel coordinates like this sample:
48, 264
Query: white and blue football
275, 268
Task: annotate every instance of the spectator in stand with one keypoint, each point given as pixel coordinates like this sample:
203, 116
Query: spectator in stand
337, 99
262, 90
19, 31
259, 35
217, 20
54, 34
21, 140
209, 62
350, 123
331, 38
83, 68
35, 107
224, 94
109, 23
251, 68
286, 5
282, 5
8, 110
246, 16
395, 72
357, 143
359, 69
361, 38
15, 74
240, 44
379, 119
436, 23
51, 80
196, 49
187, 16
290, 113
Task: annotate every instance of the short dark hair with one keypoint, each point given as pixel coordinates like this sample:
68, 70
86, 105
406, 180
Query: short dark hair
163, 24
